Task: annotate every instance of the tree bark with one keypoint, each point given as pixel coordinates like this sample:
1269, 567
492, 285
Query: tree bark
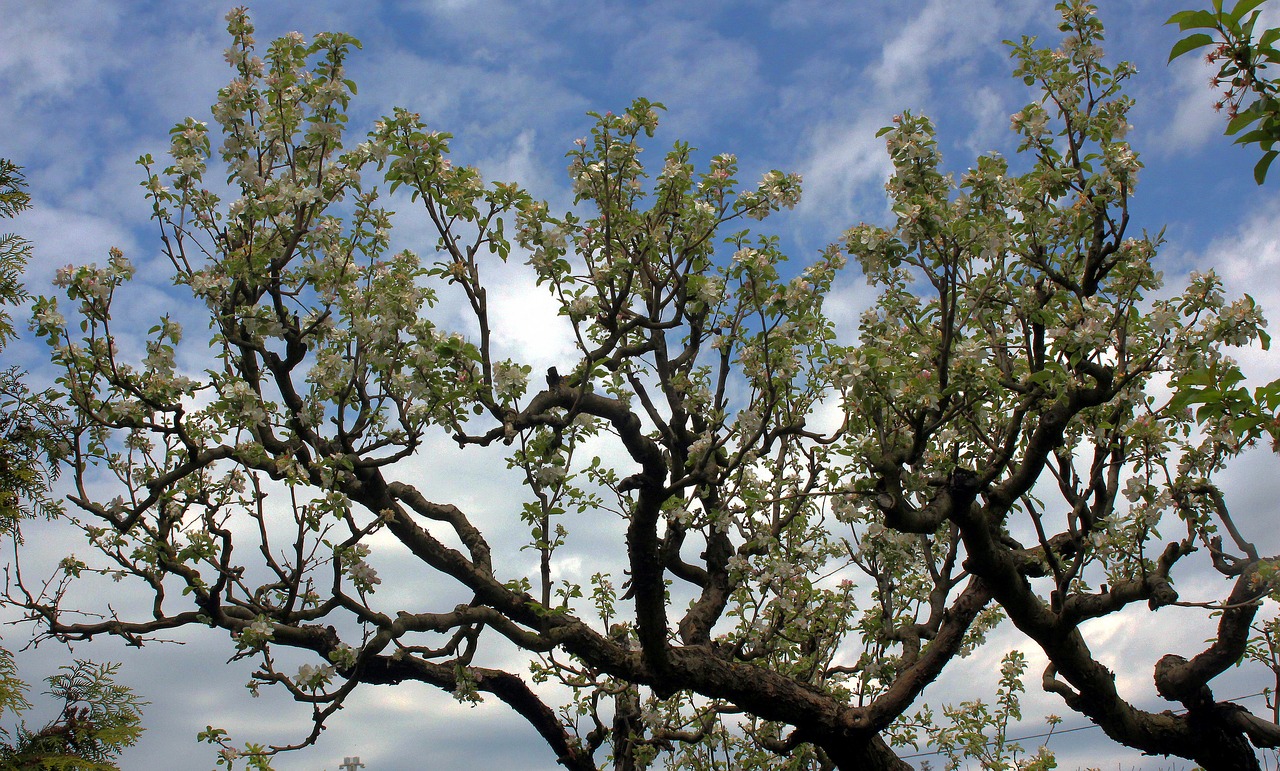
1224, 745
873, 754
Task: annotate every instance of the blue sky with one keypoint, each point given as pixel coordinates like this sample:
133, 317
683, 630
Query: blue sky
86, 86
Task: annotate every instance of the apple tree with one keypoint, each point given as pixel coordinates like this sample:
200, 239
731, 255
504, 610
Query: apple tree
809, 530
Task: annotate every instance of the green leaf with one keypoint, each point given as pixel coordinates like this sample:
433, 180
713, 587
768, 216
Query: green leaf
1243, 7
1244, 118
1188, 398
1268, 395
1257, 135
1198, 40
1245, 425
1193, 19
1228, 378
1260, 171
1200, 377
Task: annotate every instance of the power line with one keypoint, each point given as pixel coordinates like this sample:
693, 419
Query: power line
1056, 732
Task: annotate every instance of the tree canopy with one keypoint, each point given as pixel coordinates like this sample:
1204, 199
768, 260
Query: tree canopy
30, 447
99, 718
1250, 96
809, 530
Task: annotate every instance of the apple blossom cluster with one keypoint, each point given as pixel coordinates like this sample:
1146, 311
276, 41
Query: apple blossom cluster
312, 677
256, 634
361, 573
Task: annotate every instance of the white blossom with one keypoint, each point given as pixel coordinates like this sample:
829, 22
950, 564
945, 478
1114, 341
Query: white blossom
311, 677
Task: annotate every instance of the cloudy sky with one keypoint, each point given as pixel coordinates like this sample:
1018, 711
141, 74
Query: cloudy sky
86, 86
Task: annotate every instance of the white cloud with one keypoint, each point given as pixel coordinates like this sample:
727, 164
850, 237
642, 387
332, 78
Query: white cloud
1194, 120
526, 323
1247, 260
844, 169
844, 163
990, 115
68, 236
494, 31
951, 40
702, 77
849, 298
46, 54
